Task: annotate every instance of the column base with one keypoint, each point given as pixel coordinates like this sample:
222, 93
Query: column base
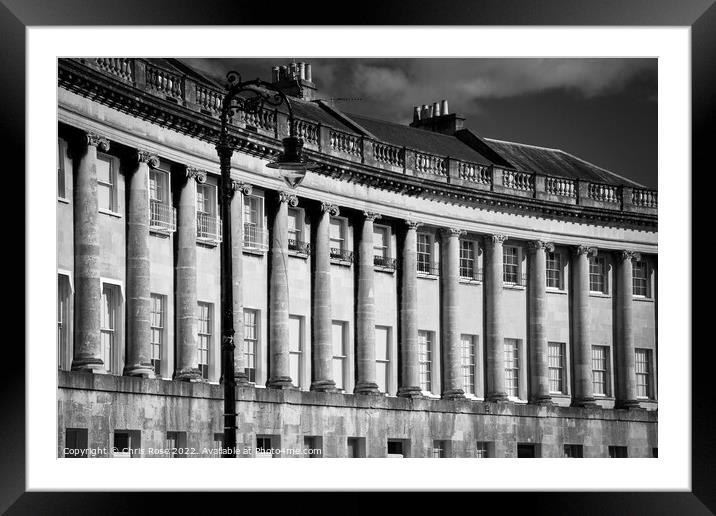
410, 392
497, 397
369, 388
281, 382
629, 405
323, 386
542, 400
89, 365
584, 403
141, 370
453, 394
188, 375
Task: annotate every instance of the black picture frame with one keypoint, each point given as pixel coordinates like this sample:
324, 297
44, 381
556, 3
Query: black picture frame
699, 15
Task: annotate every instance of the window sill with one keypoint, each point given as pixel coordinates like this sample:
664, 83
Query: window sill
643, 299
162, 233
207, 243
341, 263
296, 254
427, 276
111, 213
254, 250
513, 287
598, 294
469, 281
386, 270
556, 291
519, 401
63, 200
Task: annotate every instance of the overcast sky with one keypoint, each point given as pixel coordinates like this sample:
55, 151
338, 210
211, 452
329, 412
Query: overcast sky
601, 110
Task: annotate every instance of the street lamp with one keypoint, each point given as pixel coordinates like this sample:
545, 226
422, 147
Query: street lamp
292, 164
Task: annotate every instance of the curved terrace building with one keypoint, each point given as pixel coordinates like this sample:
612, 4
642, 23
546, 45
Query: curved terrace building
425, 292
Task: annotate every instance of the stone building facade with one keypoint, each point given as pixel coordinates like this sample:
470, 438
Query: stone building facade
427, 292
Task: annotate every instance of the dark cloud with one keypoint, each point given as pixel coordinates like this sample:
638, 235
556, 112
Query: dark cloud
486, 91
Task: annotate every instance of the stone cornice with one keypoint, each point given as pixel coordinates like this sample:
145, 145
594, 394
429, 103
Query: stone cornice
99, 87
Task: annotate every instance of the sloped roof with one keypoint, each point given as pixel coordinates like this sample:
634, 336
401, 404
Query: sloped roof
419, 139
555, 162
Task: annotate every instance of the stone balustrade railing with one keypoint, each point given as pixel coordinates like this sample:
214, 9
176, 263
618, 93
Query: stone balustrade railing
431, 164
345, 142
560, 186
206, 98
474, 172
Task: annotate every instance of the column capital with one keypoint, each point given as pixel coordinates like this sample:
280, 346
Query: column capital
627, 254
144, 156
331, 209
585, 249
540, 244
452, 232
95, 140
369, 215
288, 197
495, 239
244, 188
413, 224
197, 174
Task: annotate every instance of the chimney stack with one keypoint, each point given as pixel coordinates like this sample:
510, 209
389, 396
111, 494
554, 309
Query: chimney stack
444, 107
275, 74
302, 70
294, 79
308, 73
436, 108
424, 114
416, 113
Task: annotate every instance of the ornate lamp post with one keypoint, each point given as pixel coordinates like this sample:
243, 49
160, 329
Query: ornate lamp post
293, 166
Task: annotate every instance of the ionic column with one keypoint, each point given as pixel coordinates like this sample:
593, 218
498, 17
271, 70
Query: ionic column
539, 367
581, 343
494, 331
237, 274
278, 296
409, 353
365, 312
624, 352
322, 344
87, 352
139, 324
187, 362
449, 281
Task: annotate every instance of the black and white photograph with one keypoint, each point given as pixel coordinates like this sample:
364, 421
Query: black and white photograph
299, 257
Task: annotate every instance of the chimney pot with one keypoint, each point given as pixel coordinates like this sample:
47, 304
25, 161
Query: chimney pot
309, 78
416, 113
436, 109
444, 107
275, 74
425, 113
283, 72
302, 70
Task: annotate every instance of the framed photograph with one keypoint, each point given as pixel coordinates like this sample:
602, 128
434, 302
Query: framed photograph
413, 239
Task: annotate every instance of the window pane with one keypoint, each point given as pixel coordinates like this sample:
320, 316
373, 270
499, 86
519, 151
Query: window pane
104, 197
381, 371
294, 334
510, 265
204, 324
381, 343
599, 370
512, 367
104, 170
554, 270
251, 341
425, 349
556, 366
468, 362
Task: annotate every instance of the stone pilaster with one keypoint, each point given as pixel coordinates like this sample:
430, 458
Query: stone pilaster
280, 368
449, 281
494, 319
539, 365
187, 364
322, 345
409, 353
581, 343
624, 345
139, 325
365, 312
237, 274
87, 352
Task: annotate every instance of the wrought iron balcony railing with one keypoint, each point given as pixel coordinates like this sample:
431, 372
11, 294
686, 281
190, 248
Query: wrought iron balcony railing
208, 228
298, 246
255, 237
385, 262
162, 217
341, 254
